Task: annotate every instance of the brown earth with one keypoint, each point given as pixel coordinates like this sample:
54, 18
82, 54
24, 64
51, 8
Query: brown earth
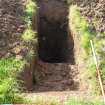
94, 11
11, 27
48, 77
56, 77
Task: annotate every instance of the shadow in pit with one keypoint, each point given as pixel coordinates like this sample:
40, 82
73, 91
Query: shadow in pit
55, 44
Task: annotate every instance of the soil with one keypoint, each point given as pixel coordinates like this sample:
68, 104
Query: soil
11, 27
94, 11
49, 77
56, 77
54, 10
55, 44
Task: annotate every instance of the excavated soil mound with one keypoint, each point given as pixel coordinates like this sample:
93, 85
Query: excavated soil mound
11, 27
94, 11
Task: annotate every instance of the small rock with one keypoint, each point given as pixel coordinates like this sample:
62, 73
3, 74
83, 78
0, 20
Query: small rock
19, 57
8, 55
16, 50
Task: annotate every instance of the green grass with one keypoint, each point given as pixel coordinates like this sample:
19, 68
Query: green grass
28, 35
31, 8
10, 67
80, 26
83, 101
9, 86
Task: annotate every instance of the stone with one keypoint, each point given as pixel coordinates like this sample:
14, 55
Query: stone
16, 50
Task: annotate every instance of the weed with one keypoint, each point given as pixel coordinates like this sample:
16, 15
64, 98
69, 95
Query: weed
82, 28
9, 86
28, 35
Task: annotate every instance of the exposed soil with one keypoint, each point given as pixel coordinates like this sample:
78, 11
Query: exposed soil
56, 47
11, 27
53, 22
56, 77
94, 11
59, 77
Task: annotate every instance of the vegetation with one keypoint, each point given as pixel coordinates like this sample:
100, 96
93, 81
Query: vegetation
31, 8
83, 101
29, 35
9, 86
80, 26
10, 67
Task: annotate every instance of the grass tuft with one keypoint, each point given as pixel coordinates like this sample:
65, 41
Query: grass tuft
9, 86
80, 26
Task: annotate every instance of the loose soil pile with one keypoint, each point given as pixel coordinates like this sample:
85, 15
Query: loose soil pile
94, 11
11, 27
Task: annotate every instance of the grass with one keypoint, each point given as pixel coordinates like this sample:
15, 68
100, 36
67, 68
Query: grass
10, 67
75, 100
45, 101
83, 101
28, 35
31, 8
9, 86
80, 26
10, 89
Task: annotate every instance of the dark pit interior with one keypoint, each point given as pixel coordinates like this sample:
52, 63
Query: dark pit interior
55, 42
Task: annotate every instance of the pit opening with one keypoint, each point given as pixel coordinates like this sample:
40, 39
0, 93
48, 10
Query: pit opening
55, 40
56, 69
